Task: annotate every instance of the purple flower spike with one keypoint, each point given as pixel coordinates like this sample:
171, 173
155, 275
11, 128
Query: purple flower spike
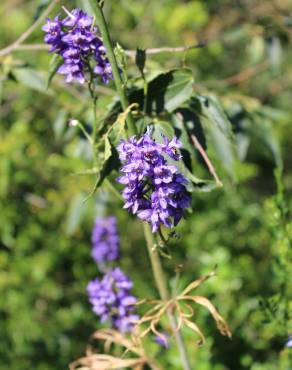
112, 301
105, 240
75, 40
154, 190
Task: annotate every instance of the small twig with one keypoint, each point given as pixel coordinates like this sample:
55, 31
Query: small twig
8, 49
178, 49
31, 47
129, 53
241, 76
206, 159
204, 155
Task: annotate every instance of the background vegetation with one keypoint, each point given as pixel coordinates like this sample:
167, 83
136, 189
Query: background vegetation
243, 227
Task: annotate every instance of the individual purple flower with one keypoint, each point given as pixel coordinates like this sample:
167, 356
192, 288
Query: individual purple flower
54, 33
162, 340
171, 147
105, 240
154, 189
76, 41
289, 342
112, 300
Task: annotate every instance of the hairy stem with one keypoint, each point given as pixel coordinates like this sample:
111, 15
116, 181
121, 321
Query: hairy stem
164, 294
101, 22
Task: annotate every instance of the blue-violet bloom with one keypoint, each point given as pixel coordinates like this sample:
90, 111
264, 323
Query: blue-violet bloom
75, 39
154, 189
112, 300
105, 240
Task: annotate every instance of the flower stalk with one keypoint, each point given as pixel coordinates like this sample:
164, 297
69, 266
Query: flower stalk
155, 261
101, 22
164, 294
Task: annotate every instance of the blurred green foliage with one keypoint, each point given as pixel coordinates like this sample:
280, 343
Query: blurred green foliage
244, 228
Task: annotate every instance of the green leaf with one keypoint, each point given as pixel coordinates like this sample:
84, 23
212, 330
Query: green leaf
55, 63
107, 149
218, 130
169, 90
140, 60
75, 215
108, 161
85, 5
162, 128
60, 124
262, 130
32, 79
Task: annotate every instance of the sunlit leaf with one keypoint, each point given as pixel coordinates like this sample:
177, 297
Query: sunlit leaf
169, 90
31, 78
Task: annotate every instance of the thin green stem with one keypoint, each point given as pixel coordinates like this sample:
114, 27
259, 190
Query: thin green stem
101, 22
114, 191
164, 294
85, 133
94, 106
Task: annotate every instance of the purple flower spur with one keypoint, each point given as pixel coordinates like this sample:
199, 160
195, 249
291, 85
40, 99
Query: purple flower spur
154, 189
75, 39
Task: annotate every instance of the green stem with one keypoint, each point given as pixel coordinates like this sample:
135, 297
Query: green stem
97, 7
163, 292
94, 105
114, 191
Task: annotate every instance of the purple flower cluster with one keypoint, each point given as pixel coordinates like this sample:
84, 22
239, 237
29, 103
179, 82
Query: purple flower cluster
75, 39
105, 240
154, 190
112, 300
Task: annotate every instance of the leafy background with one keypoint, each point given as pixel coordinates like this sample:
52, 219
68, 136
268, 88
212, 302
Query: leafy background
245, 72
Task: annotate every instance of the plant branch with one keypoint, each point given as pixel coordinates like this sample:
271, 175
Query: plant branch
163, 292
241, 76
165, 49
112, 59
8, 49
129, 53
211, 168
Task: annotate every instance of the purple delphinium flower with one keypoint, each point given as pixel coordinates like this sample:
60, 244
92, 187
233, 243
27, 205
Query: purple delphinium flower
75, 40
54, 33
105, 240
162, 340
154, 190
112, 300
